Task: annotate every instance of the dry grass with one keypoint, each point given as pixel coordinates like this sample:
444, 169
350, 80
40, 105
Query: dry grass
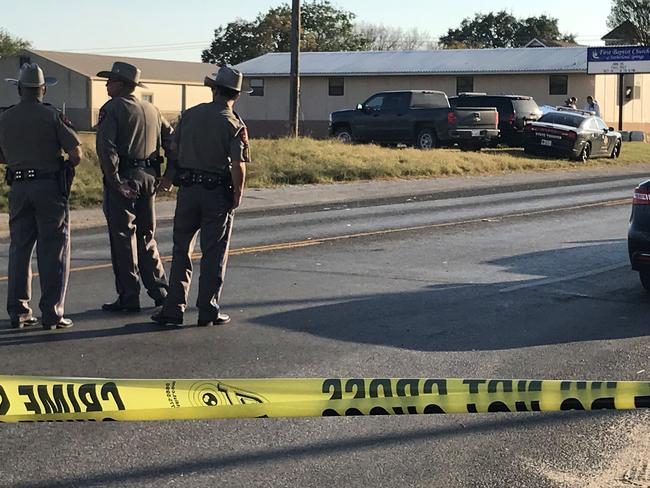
299, 161
279, 162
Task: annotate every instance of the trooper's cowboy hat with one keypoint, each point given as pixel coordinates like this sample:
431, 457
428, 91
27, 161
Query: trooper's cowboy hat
228, 78
123, 72
31, 76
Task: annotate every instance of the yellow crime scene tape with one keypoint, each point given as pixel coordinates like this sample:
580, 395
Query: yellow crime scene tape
43, 399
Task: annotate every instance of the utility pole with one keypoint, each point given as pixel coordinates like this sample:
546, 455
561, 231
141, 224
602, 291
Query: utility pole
621, 99
294, 78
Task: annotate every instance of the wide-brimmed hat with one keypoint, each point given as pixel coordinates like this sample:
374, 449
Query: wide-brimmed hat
227, 77
124, 72
31, 76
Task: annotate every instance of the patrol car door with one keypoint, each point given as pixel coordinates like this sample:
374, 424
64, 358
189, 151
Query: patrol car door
594, 135
368, 119
608, 139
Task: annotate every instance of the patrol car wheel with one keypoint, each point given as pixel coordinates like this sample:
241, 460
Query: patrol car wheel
616, 152
426, 139
645, 280
344, 135
585, 153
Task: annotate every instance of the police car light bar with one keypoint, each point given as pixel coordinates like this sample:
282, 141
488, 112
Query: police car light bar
575, 110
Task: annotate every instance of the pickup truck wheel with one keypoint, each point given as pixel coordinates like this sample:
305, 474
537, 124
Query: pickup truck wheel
585, 153
645, 280
344, 135
426, 139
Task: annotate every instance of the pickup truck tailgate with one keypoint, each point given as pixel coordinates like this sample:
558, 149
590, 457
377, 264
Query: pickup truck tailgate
476, 118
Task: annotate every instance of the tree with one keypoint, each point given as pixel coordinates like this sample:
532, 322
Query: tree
543, 28
484, 30
324, 28
10, 45
637, 12
502, 29
383, 38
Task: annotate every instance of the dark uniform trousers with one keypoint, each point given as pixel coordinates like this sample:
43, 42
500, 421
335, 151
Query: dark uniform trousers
198, 208
131, 228
38, 216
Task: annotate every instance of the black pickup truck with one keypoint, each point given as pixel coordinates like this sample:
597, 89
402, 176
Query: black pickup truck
422, 118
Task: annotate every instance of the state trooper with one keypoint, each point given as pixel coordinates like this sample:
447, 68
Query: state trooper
32, 137
130, 134
212, 146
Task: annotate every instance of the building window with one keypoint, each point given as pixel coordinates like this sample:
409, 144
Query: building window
464, 84
24, 60
257, 85
336, 87
147, 97
558, 85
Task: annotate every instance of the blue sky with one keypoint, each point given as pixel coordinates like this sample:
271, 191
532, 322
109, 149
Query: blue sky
172, 29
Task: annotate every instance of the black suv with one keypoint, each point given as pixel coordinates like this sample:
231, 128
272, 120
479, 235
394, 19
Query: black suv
515, 111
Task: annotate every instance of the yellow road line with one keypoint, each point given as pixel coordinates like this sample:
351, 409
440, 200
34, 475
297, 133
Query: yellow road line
320, 240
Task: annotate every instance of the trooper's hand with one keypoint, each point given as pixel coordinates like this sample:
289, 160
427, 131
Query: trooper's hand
236, 200
164, 184
127, 191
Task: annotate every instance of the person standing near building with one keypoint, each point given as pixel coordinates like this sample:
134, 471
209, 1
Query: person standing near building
571, 102
213, 149
592, 106
32, 137
130, 134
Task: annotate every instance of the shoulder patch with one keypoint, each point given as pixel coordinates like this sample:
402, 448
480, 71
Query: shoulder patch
102, 114
64, 118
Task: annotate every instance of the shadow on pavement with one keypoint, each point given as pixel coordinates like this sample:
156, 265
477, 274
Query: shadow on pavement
574, 294
556, 306
113, 477
138, 324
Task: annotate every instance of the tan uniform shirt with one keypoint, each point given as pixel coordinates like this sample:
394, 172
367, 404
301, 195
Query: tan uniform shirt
209, 137
129, 128
32, 135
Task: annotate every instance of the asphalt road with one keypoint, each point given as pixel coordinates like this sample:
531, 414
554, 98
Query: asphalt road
529, 284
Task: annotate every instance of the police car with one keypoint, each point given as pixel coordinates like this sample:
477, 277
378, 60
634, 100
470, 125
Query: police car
577, 134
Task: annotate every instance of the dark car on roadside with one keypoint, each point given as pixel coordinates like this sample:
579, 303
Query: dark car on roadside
638, 234
576, 134
515, 111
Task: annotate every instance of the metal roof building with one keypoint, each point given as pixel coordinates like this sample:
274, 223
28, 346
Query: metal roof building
452, 62
336, 80
171, 85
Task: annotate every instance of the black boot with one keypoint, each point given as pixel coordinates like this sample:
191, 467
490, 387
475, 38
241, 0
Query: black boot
120, 307
63, 323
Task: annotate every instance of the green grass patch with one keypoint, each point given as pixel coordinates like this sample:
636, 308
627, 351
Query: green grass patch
278, 162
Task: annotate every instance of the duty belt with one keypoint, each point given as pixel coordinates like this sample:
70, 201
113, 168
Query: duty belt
209, 180
29, 175
137, 163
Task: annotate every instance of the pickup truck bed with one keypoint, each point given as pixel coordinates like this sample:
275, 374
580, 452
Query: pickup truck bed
421, 118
